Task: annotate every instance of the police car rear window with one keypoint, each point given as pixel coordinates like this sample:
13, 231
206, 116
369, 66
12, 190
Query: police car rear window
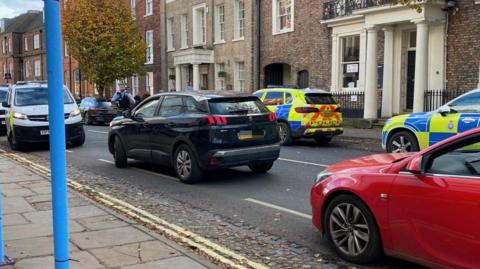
37, 97
319, 99
236, 106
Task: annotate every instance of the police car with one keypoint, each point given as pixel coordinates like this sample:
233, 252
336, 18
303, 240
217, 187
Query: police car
416, 131
303, 113
27, 116
3, 111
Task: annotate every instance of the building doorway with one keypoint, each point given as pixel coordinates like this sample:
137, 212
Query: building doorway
303, 79
410, 79
277, 74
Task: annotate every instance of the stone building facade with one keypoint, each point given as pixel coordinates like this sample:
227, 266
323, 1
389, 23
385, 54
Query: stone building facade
209, 45
398, 53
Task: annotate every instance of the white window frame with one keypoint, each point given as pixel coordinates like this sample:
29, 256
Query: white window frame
184, 31
133, 8
220, 24
341, 63
27, 69
199, 31
220, 82
25, 44
148, 7
240, 77
38, 69
135, 84
170, 34
239, 24
66, 49
149, 41
36, 41
276, 18
149, 83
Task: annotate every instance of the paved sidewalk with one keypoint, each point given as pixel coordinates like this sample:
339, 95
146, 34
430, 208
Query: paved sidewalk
99, 238
375, 133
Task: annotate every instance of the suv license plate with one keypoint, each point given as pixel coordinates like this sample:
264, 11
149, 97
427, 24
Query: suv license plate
247, 135
44, 132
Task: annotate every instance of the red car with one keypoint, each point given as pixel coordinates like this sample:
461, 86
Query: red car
423, 207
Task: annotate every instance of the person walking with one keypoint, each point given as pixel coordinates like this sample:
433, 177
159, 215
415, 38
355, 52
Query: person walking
124, 100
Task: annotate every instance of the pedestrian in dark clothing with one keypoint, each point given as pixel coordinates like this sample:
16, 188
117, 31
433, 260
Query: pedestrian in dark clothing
124, 100
138, 99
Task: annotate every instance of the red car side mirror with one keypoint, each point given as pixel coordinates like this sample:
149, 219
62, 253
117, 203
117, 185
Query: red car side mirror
415, 165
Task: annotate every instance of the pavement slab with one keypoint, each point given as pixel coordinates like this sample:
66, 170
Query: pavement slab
80, 260
172, 263
134, 253
35, 230
109, 238
31, 247
16, 205
74, 213
101, 222
14, 219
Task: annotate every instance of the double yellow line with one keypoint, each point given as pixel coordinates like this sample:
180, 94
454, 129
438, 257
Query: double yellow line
213, 251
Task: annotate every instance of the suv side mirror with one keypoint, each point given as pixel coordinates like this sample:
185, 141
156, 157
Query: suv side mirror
415, 165
127, 114
444, 110
5, 104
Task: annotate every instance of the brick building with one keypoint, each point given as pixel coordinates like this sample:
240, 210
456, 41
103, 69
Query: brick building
22, 47
149, 16
294, 44
209, 44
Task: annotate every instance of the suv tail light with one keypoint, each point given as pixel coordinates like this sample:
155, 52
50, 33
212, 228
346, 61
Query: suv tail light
306, 110
272, 116
217, 120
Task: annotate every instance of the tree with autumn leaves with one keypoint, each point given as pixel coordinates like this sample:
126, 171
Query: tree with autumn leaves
104, 39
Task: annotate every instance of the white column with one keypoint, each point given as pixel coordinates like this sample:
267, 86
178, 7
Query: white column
196, 77
371, 77
335, 59
363, 59
387, 95
178, 78
421, 66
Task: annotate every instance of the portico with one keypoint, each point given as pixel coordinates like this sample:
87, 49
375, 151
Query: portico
390, 51
190, 67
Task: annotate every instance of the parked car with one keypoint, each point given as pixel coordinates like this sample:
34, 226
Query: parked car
416, 131
196, 133
303, 113
418, 206
27, 116
3, 97
99, 111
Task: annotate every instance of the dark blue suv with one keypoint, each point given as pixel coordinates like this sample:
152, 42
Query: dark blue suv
196, 133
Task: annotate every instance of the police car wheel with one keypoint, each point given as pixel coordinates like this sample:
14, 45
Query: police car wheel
285, 134
402, 142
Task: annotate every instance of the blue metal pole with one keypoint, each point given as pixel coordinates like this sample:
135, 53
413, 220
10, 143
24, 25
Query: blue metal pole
4, 260
53, 32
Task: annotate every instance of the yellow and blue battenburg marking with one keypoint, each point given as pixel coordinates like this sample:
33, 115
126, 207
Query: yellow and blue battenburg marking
431, 127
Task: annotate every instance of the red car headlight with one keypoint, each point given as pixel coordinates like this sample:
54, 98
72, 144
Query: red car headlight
322, 176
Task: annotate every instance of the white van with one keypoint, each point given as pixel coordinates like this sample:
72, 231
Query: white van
3, 111
27, 117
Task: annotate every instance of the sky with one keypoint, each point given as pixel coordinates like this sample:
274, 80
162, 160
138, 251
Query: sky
12, 8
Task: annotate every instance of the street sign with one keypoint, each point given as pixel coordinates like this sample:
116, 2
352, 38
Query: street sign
8, 76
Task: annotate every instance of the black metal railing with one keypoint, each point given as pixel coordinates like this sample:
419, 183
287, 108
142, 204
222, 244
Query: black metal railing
338, 8
433, 99
352, 103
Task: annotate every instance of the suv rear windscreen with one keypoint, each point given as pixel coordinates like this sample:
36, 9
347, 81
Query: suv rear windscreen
3, 96
236, 106
319, 99
37, 97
